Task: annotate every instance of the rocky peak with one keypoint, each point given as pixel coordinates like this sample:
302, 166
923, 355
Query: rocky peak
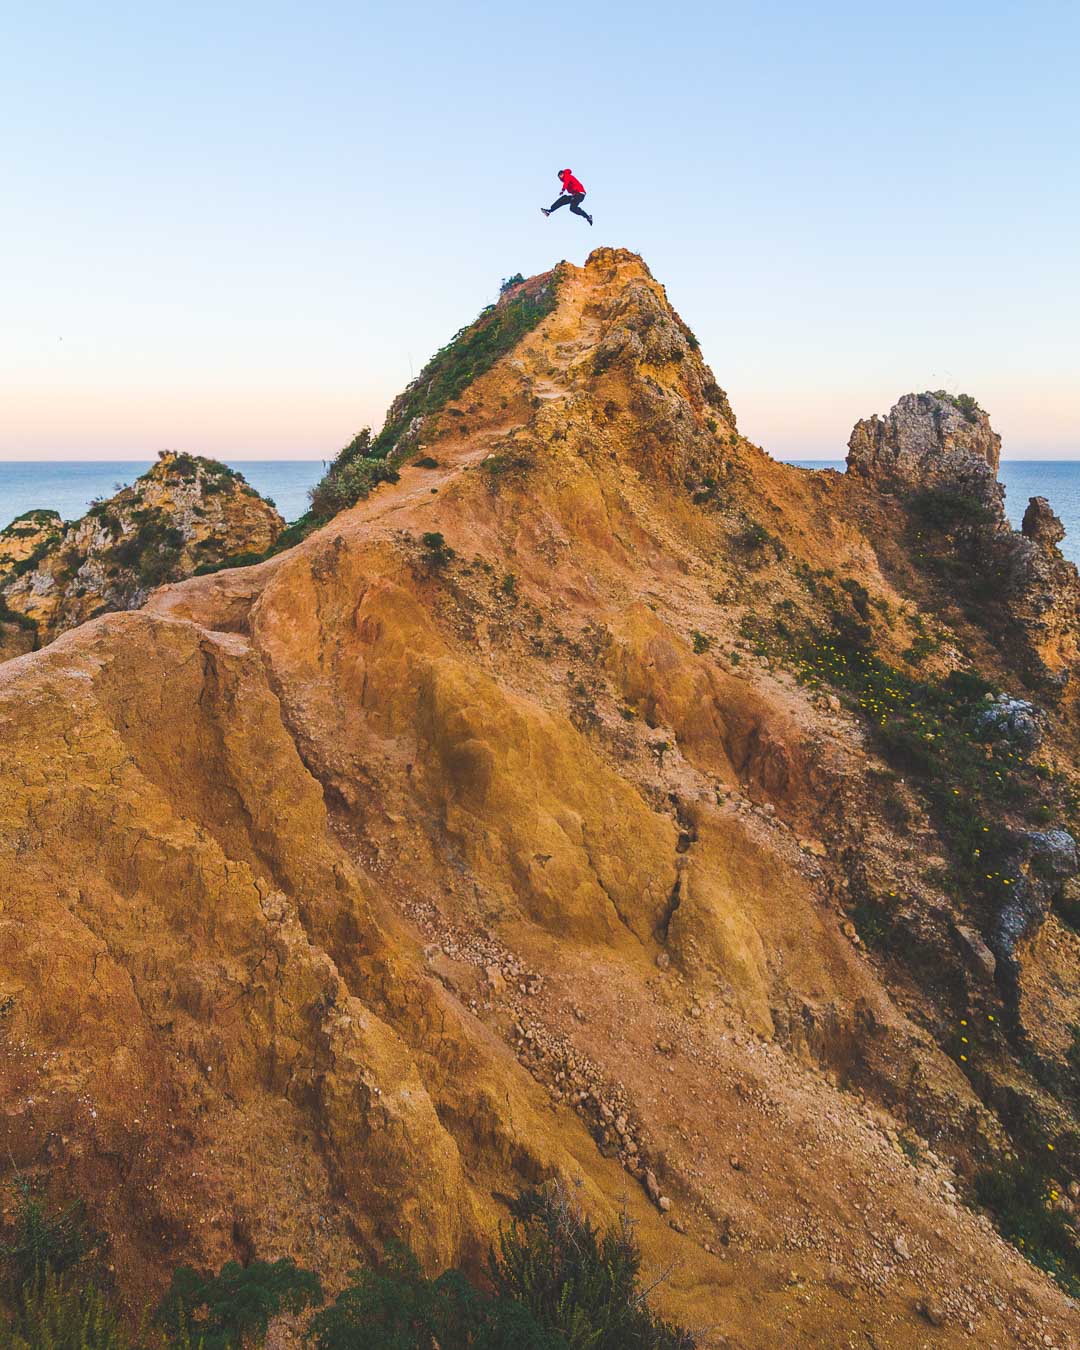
185, 514
926, 437
592, 355
1041, 524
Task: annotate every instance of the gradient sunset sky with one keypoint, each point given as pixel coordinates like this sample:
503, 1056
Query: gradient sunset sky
238, 229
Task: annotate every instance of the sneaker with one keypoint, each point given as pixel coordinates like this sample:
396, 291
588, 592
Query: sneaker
588, 217
544, 211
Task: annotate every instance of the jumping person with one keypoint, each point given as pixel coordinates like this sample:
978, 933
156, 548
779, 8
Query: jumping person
572, 195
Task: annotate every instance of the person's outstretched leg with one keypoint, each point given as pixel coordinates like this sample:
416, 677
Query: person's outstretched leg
575, 206
559, 201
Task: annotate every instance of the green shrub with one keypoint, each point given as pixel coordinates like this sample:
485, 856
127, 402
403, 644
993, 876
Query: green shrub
1022, 1200
701, 642
33, 558
872, 923
348, 483
755, 536
965, 402
43, 1240
928, 730
235, 1307
948, 510
438, 551
234, 560
576, 1279
395, 1308
152, 550
558, 1282
53, 1314
16, 616
920, 649
860, 596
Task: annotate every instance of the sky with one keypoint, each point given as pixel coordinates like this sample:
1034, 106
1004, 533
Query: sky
240, 229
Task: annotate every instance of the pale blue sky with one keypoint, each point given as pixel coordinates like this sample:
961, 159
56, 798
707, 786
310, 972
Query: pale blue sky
249, 223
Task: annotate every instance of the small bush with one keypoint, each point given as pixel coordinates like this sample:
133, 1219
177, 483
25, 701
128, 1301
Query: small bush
16, 616
860, 596
235, 1306
1022, 1199
946, 510
576, 1279
755, 536
438, 551
701, 642
965, 402
395, 1308
923, 646
53, 1314
43, 1240
348, 483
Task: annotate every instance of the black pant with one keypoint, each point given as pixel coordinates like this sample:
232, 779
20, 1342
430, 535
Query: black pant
573, 200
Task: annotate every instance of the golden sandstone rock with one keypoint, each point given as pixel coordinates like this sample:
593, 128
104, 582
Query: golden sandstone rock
265, 839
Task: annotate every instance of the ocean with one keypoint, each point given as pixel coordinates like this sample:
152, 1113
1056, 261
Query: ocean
69, 486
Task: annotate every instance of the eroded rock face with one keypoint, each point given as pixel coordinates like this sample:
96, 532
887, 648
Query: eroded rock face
184, 513
924, 438
1040, 864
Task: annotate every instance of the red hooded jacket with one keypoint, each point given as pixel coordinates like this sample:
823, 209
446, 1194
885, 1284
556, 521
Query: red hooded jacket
569, 182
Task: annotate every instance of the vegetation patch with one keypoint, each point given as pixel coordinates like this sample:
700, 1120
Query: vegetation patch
152, 550
236, 1306
470, 353
965, 402
437, 552
16, 616
948, 509
554, 1281
927, 730
1023, 1199
366, 461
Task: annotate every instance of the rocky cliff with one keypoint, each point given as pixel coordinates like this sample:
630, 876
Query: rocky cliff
923, 436
597, 798
183, 515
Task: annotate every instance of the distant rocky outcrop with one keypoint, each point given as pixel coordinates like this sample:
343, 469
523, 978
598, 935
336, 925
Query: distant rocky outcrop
924, 438
1044, 592
184, 515
27, 536
940, 454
